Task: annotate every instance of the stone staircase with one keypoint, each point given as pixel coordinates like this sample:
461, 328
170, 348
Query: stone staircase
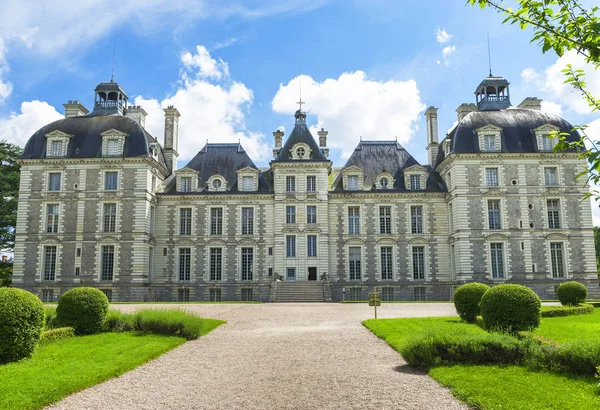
309, 291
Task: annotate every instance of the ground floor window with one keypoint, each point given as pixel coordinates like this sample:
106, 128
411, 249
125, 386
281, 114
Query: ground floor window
386, 263
247, 263
387, 294
49, 262
418, 262
48, 295
185, 258
108, 263
291, 274
247, 295
214, 295
354, 263
419, 294
355, 294
183, 295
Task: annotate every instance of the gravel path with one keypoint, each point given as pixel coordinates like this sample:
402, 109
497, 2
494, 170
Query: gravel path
278, 356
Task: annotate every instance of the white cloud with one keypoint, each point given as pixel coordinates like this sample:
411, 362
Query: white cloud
226, 43
552, 108
212, 108
353, 105
442, 36
5, 86
18, 127
447, 52
551, 82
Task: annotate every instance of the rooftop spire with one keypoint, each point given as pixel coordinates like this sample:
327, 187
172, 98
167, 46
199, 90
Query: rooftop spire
112, 74
489, 53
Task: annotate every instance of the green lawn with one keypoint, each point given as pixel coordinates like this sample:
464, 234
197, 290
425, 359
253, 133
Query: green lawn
508, 387
69, 365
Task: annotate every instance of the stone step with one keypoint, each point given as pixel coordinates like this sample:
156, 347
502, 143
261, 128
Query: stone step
300, 292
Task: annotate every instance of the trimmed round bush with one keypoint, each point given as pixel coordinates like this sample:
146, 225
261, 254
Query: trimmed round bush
22, 320
467, 298
510, 308
571, 293
84, 309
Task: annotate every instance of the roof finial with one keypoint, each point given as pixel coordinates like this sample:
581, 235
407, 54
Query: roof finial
301, 102
489, 53
112, 74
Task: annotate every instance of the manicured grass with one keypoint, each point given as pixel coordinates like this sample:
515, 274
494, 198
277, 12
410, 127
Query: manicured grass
571, 328
69, 365
515, 387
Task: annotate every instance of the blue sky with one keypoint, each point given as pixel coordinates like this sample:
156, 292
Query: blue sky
369, 68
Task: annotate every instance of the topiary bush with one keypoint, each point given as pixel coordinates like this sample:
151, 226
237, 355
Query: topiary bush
467, 298
571, 293
558, 311
22, 319
510, 308
84, 309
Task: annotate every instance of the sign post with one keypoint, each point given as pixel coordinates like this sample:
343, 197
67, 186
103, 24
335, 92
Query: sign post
375, 299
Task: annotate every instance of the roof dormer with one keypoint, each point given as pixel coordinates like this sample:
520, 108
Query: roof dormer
57, 143
385, 180
113, 142
546, 141
186, 179
352, 178
415, 178
217, 183
489, 138
300, 151
247, 179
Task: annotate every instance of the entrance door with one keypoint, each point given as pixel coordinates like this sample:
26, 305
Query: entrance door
312, 273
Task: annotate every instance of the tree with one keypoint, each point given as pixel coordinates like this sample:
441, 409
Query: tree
597, 245
560, 26
5, 273
9, 190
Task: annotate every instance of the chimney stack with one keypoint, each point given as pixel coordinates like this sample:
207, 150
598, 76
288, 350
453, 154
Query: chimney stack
323, 138
465, 109
74, 108
531, 103
171, 137
432, 135
278, 142
137, 113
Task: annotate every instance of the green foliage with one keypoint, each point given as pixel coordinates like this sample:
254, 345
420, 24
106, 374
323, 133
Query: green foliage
559, 311
58, 333
9, 186
6, 269
51, 319
118, 322
173, 322
581, 357
21, 323
571, 328
467, 298
511, 308
597, 246
83, 309
70, 365
571, 293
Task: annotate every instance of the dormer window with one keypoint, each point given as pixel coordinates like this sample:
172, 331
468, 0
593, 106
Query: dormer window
187, 179
186, 184
56, 144
546, 140
353, 182
415, 177
247, 179
384, 181
217, 183
489, 138
415, 182
112, 143
300, 151
489, 143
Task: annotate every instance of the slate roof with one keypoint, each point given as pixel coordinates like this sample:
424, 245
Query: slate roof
86, 141
375, 157
300, 134
517, 126
225, 159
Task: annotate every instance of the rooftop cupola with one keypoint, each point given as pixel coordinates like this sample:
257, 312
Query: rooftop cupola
110, 99
300, 115
492, 94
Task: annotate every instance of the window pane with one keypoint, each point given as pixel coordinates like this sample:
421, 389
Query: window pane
185, 221
353, 182
494, 214
49, 262
386, 263
247, 184
186, 184
556, 255
247, 221
290, 214
415, 182
110, 217
185, 255
111, 181
290, 241
418, 254
216, 263
550, 176
311, 183
497, 260
354, 263
416, 219
311, 214
54, 181
553, 214
311, 241
52, 221
108, 259
385, 220
216, 221
491, 176
290, 184
354, 220
247, 263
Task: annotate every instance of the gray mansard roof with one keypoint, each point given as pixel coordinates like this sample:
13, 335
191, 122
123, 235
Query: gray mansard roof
86, 141
376, 157
300, 134
517, 124
226, 160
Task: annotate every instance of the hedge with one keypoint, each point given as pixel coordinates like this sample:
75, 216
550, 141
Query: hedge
56, 334
568, 310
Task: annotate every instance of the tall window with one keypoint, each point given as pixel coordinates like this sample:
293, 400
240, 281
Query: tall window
550, 176
494, 214
183, 295
185, 265
311, 214
418, 262
497, 260
491, 176
548, 143
110, 218
290, 184
311, 183
415, 182
52, 218
290, 214
354, 263
216, 221
49, 262
553, 213
185, 221
489, 142
48, 295
386, 263
111, 181
385, 219
186, 184
450, 218
108, 263
354, 220
216, 263
290, 246
353, 182
247, 263
556, 256
152, 219
311, 246
247, 183
416, 219
247, 221
54, 181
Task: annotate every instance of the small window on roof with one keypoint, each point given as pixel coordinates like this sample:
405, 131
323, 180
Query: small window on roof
217, 184
353, 182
